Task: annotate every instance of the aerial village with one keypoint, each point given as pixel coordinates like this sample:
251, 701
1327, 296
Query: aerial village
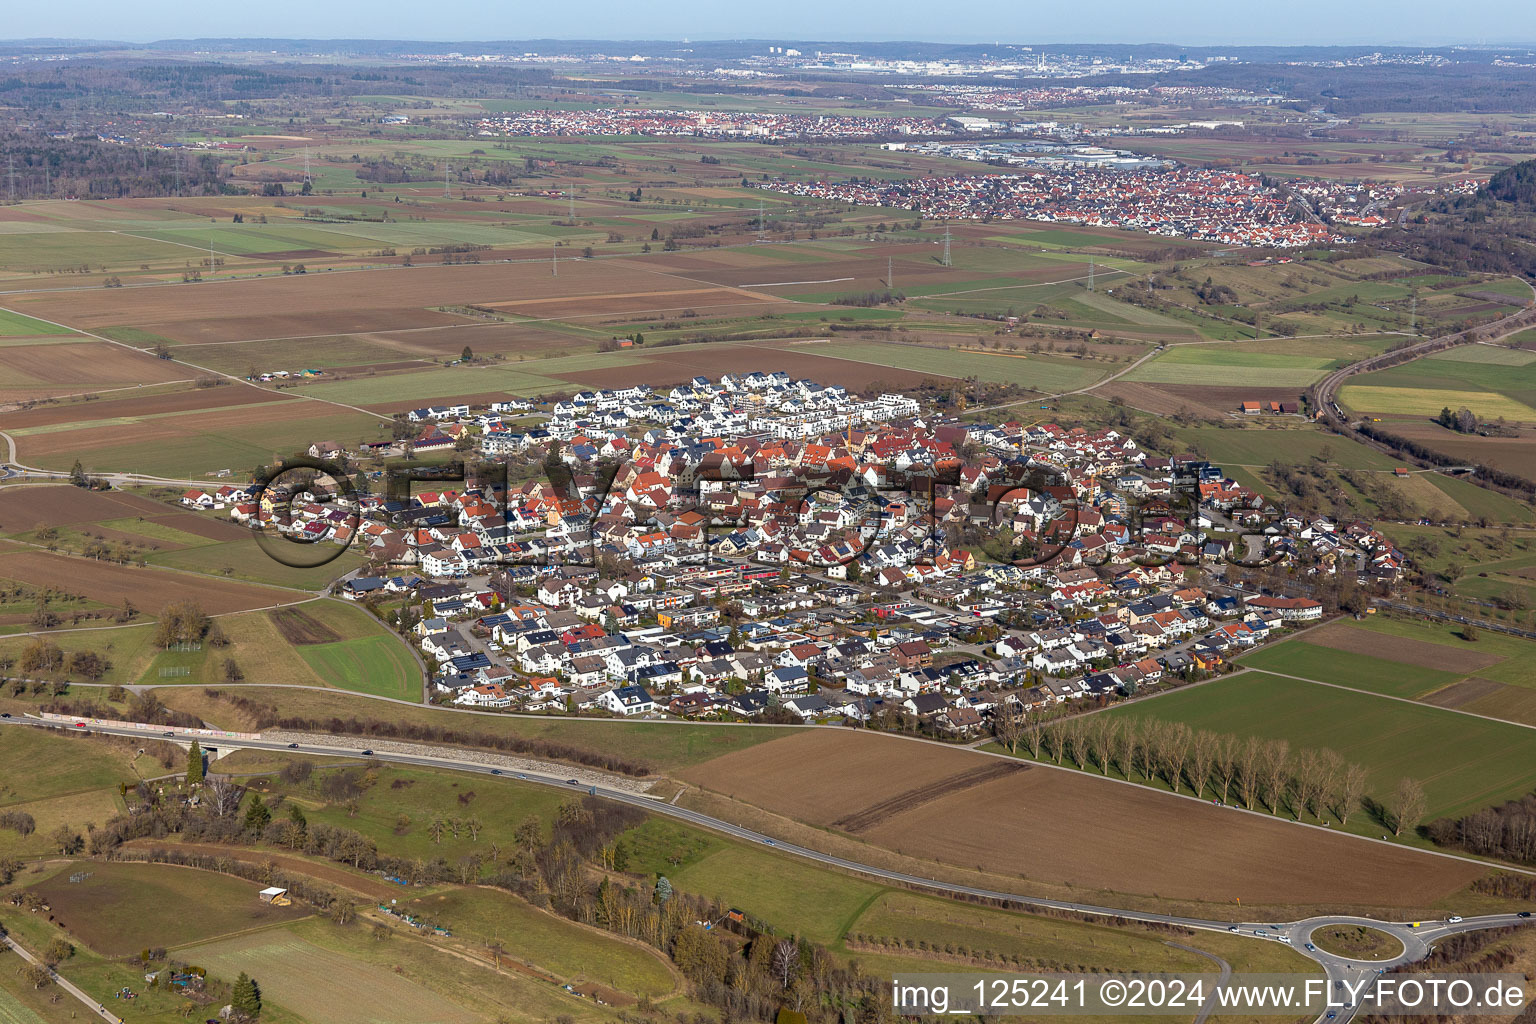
762, 546
1102, 189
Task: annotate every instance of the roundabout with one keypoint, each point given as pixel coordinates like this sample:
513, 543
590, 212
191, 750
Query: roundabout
1358, 942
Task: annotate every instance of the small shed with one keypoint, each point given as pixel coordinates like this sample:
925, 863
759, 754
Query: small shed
275, 896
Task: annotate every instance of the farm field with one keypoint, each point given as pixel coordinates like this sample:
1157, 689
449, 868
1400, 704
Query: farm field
14, 1011
379, 665
1259, 446
1495, 656
910, 805
1231, 366
564, 948
1042, 373
59, 764
1412, 401
364, 657
124, 907
1464, 763
323, 984
30, 372
421, 795
150, 589
1516, 454
15, 325
1357, 659
194, 444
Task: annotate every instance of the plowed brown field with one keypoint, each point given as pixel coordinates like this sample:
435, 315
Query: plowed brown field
1066, 827
149, 589
22, 508
38, 371
141, 405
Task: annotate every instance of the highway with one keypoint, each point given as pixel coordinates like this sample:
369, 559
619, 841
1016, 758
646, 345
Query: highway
1416, 941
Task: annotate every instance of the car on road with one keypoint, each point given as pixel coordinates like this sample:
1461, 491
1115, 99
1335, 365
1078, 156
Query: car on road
572, 782
293, 746
1331, 1015
771, 842
495, 771
1234, 928
1284, 938
521, 775
79, 725
5, 715
1523, 913
1260, 933
367, 753
1453, 919
1311, 948
170, 732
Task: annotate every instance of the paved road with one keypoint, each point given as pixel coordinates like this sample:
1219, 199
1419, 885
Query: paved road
96, 1009
1415, 941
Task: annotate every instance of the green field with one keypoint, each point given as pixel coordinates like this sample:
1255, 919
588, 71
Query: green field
323, 984
16, 325
1230, 366
1360, 671
13, 1011
541, 937
1464, 763
788, 893
1259, 446
58, 764
371, 664
1043, 373
199, 449
1480, 501
1406, 401
421, 795
1486, 354
1518, 666
127, 650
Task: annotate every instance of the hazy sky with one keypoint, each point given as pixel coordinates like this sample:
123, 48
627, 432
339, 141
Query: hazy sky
983, 21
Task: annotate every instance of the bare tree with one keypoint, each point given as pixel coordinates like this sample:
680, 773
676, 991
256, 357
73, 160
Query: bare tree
223, 795
1006, 725
1330, 767
785, 962
1276, 770
1154, 747
1202, 751
1350, 791
1077, 742
1098, 735
1055, 740
1408, 805
1249, 757
1304, 778
1179, 738
1034, 732
1225, 761
1125, 744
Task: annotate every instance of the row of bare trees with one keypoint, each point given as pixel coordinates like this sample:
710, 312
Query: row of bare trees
1248, 770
